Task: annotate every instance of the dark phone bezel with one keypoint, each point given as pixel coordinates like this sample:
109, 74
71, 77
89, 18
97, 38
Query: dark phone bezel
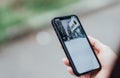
65, 49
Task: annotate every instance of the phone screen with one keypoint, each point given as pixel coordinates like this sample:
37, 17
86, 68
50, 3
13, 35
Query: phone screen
76, 42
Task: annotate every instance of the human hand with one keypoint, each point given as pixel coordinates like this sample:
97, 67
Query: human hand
106, 57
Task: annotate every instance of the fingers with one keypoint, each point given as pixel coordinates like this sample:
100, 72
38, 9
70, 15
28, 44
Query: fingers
69, 69
96, 44
96, 51
88, 75
66, 61
82, 76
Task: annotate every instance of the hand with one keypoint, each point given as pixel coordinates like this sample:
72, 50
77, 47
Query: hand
106, 57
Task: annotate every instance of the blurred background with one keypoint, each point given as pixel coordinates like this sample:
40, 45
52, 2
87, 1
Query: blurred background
29, 47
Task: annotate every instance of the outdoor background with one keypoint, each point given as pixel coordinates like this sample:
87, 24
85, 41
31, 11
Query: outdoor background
29, 47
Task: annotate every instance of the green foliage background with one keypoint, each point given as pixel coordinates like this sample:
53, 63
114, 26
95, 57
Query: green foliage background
11, 15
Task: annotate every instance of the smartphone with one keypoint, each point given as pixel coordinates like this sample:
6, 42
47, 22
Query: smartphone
76, 44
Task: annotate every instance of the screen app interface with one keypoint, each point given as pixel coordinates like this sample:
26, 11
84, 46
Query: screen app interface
77, 44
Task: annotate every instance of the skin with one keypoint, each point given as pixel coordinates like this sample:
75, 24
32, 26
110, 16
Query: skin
106, 57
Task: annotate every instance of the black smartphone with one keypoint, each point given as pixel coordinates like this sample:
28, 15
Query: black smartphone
76, 44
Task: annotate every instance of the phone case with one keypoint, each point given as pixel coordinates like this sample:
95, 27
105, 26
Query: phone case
65, 49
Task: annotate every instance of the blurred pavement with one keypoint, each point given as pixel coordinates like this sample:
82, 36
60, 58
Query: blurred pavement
39, 55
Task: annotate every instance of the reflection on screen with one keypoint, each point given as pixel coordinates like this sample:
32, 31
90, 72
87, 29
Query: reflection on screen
75, 40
